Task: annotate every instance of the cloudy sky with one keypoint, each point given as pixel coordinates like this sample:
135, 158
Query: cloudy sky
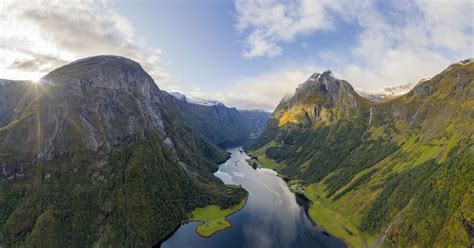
247, 54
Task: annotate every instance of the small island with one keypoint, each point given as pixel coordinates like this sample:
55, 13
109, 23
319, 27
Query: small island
213, 218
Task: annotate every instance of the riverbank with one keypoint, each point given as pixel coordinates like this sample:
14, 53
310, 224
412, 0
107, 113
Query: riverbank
323, 212
214, 218
342, 225
259, 157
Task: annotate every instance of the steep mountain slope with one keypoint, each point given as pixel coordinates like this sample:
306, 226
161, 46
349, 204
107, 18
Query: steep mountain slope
397, 173
9, 98
96, 155
222, 125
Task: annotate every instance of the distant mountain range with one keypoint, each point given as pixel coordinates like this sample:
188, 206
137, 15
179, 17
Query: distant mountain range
222, 125
197, 101
395, 173
97, 155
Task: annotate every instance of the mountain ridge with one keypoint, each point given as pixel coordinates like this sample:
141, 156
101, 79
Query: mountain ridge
95, 154
378, 166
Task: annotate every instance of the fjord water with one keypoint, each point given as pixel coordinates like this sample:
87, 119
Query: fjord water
271, 217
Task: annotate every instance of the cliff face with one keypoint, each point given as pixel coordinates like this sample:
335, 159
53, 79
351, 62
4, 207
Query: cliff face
96, 154
222, 125
11, 92
322, 99
388, 163
110, 98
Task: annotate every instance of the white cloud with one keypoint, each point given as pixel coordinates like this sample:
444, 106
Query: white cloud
38, 36
416, 40
433, 24
272, 22
400, 43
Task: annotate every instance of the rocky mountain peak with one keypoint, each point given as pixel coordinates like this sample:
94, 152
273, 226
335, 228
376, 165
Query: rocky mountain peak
324, 82
327, 73
104, 71
322, 98
104, 100
317, 75
325, 87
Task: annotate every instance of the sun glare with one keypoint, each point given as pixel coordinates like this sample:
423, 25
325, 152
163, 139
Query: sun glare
36, 81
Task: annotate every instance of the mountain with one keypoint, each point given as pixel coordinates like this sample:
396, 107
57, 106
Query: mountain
222, 125
396, 173
322, 99
96, 155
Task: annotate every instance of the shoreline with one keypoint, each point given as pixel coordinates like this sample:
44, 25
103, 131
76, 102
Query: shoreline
322, 228
158, 245
242, 203
187, 221
306, 205
225, 218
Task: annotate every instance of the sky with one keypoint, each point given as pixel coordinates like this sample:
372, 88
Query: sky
246, 54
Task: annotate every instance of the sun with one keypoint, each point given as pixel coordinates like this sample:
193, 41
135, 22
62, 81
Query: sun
36, 81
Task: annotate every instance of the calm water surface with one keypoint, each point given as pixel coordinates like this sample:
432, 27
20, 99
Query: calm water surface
271, 217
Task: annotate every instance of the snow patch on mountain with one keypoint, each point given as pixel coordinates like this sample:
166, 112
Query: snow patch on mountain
178, 95
387, 92
204, 102
197, 101
254, 110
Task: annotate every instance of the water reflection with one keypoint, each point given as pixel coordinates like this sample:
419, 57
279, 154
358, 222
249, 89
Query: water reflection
271, 217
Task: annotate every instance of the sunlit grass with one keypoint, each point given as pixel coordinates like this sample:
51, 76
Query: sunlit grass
334, 220
214, 218
262, 158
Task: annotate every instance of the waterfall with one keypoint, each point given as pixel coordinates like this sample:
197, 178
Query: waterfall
371, 113
380, 241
